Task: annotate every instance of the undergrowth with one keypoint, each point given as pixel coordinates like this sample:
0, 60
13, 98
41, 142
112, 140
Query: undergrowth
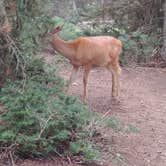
39, 118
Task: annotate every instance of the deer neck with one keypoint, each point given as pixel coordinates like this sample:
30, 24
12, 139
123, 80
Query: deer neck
63, 47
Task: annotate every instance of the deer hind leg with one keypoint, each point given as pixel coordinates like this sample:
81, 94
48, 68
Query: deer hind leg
115, 70
85, 80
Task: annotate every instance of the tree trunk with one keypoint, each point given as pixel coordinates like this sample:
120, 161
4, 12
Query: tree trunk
164, 34
4, 23
2, 13
75, 7
103, 9
5, 62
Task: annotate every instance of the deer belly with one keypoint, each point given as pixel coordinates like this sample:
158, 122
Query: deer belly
96, 60
101, 60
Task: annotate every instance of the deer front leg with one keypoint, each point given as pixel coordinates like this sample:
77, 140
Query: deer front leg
73, 76
85, 80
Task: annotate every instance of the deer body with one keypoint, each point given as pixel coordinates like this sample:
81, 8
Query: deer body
91, 51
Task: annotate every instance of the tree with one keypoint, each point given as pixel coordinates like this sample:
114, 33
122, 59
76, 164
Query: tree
75, 7
5, 28
4, 23
164, 33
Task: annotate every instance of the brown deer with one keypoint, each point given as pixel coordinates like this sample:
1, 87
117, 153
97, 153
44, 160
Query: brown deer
90, 51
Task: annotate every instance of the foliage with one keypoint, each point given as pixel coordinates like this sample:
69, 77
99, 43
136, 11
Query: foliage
21, 44
41, 119
69, 31
114, 123
86, 148
91, 11
138, 45
38, 26
132, 128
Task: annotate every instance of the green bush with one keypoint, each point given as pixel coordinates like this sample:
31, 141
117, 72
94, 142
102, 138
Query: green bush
90, 11
69, 31
38, 26
40, 118
138, 45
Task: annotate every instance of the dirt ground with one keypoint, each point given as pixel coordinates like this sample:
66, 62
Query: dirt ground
142, 103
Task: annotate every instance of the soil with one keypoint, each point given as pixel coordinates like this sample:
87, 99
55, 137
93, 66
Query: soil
142, 103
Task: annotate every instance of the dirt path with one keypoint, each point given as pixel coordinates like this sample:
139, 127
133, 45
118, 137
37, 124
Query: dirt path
142, 103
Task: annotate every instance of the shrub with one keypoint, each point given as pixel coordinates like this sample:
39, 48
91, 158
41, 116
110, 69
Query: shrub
40, 118
69, 31
138, 45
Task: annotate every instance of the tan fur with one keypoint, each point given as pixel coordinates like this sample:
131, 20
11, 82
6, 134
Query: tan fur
91, 51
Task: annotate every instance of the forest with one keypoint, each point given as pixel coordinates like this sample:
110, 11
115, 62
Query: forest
43, 123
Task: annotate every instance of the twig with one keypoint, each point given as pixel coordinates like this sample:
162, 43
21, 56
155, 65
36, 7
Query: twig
43, 128
6, 153
12, 160
58, 154
15, 51
69, 160
106, 114
94, 123
4, 46
103, 117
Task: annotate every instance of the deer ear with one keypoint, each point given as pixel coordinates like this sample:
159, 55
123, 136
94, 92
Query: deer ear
57, 28
61, 27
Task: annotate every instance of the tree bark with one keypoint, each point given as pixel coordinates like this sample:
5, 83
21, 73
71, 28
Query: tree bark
5, 27
164, 33
103, 8
75, 7
2, 13
5, 62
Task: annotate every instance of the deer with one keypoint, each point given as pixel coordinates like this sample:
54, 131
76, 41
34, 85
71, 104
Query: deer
86, 52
